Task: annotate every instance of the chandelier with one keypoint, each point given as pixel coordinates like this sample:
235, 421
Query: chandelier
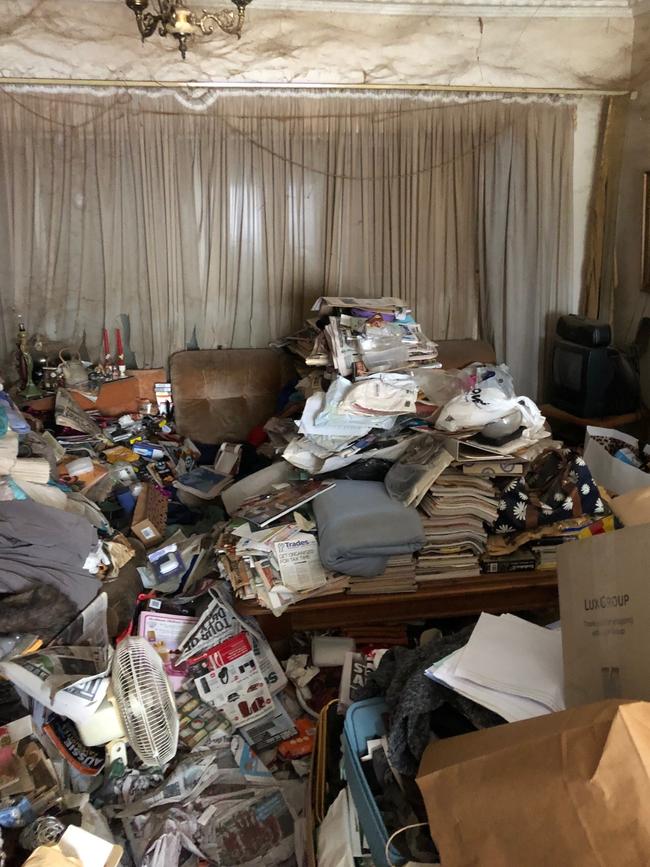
175, 19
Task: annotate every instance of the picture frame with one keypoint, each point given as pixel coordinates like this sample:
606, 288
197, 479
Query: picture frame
645, 235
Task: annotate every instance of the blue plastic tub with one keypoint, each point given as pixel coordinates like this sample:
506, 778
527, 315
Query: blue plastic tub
363, 721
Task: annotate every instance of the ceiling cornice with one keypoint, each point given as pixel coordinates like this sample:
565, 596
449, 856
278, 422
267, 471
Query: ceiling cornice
453, 8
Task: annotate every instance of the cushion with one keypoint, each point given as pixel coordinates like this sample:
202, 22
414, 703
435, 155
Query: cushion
221, 394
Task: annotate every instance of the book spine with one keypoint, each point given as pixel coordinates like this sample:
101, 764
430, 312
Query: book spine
491, 567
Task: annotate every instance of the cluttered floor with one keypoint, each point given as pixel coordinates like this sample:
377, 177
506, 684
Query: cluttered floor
147, 720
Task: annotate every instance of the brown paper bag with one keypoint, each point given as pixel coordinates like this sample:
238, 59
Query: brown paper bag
604, 585
569, 789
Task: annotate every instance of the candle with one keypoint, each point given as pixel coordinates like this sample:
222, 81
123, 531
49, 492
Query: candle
121, 366
107, 347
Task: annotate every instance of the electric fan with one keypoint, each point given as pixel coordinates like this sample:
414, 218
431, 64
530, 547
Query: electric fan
139, 708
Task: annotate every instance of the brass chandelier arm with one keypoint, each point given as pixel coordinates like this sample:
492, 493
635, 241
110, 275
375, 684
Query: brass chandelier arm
225, 19
146, 21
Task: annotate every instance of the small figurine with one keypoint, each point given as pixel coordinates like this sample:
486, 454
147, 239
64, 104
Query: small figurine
25, 364
40, 360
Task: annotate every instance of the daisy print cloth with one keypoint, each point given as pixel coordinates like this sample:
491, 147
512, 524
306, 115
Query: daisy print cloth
557, 486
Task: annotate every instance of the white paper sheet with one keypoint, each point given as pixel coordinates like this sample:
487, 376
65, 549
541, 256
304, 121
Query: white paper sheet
514, 656
511, 707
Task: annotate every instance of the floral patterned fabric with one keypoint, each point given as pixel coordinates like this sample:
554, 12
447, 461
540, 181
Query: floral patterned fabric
557, 486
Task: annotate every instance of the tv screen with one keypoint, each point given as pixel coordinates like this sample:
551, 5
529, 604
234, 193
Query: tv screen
592, 382
581, 378
568, 367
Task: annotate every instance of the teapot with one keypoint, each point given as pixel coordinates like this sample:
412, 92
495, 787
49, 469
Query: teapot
72, 369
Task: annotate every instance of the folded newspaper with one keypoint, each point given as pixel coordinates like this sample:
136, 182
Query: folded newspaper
229, 678
71, 681
69, 414
219, 622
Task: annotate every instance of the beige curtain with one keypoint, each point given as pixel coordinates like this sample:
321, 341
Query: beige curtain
599, 277
228, 219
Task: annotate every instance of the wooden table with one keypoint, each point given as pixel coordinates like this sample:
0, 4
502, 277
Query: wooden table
513, 591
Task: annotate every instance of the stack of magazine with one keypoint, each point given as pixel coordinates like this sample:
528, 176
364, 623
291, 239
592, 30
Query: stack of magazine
358, 336
453, 514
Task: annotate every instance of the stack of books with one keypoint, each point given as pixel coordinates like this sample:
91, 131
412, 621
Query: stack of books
545, 550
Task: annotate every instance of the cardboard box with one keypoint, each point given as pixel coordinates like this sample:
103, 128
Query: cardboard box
604, 589
608, 471
150, 516
122, 395
567, 789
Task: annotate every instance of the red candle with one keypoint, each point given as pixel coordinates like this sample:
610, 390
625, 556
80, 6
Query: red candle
118, 340
107, 347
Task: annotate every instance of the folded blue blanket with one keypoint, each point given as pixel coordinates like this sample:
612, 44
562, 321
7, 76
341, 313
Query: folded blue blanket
360, 526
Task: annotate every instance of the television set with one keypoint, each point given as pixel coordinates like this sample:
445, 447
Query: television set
593, 381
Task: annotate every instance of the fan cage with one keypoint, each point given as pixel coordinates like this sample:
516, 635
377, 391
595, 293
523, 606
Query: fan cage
145, 700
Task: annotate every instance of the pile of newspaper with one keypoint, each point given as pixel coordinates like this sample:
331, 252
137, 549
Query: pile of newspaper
368, 350
220, 804
275, 566
359, 336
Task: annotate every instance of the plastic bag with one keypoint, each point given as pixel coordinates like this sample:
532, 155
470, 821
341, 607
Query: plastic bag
440, 386
495, 376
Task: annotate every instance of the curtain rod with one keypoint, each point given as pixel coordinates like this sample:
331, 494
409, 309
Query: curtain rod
244, 85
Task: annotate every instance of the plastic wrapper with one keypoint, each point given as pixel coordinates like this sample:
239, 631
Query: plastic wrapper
383, 351
495, 376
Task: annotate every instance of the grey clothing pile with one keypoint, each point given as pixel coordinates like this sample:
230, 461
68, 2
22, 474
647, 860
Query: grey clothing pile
41, 545
413, 699
360, 526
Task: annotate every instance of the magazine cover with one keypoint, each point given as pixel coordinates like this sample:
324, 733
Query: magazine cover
266, 508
